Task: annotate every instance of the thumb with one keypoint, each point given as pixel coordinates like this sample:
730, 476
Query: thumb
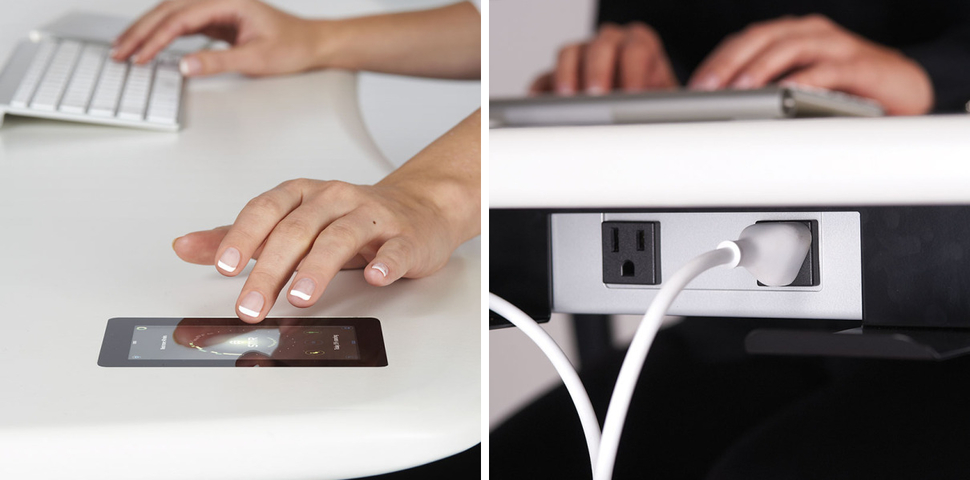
200, 247
211, 62
392, 262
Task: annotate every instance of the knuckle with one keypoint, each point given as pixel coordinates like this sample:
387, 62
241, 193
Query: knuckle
339, 190
568, 50
295, 229
296, 184
818, 20
342, 233
642, 29
609, 28
264, 204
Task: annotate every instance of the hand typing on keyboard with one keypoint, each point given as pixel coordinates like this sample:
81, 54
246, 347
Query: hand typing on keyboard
267, 41
407, 225
815, 51
806, 51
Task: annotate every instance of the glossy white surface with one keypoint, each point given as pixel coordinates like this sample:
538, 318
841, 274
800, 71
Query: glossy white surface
88, 214
826, 161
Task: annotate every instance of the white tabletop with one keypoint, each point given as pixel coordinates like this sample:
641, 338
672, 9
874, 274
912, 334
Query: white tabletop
791, 162
88, 214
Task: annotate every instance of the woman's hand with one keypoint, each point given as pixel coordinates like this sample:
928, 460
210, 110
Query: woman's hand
407, 225
442, 42
814, 51
629, 57
265, 41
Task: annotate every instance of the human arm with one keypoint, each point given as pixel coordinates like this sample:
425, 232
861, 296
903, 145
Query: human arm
406, 225
814, 51
630, 57
442, 42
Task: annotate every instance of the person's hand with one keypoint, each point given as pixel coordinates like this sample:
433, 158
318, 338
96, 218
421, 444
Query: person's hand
318, 227
629, 57
265, 41
814, 51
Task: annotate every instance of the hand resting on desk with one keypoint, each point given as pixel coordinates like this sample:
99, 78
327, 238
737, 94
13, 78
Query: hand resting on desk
406, 225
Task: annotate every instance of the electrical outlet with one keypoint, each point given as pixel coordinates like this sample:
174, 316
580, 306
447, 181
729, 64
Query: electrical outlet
631, 253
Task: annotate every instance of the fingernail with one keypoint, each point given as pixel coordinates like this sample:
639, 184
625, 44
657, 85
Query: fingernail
564, 90
380, 267
708, 82
113, 52
743, 82
303, 288
174, 241
251, 304
595, 90
190, 66
229, 260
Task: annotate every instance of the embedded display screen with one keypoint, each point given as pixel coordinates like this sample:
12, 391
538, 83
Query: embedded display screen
134, 342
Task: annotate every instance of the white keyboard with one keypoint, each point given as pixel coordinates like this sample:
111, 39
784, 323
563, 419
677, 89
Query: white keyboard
75, 80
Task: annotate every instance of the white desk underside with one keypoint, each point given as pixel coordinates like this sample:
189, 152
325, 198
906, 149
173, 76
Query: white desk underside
771, 163
88, 214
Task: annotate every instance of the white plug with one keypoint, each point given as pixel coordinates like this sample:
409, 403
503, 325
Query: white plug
773, 252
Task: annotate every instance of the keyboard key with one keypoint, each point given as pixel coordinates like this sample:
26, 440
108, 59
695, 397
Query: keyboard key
81, 87
29, 83
134, 100
166, 92
55, 79
106, 94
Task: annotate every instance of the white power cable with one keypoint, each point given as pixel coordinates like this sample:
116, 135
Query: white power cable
772, 252
587, 416
626, 382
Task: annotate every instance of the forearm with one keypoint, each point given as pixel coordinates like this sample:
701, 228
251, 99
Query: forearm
442, 43
448, 176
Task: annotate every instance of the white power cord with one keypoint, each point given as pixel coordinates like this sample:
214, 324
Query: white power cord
626, 382
587, 416
772, 252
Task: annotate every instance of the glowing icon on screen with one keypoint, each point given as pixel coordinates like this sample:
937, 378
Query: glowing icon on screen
141, 328
313, 352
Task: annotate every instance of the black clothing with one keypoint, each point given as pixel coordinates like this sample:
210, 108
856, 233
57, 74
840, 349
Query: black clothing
704, 409
934, 33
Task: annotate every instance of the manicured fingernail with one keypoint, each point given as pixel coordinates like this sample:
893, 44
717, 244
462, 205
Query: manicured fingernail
380, 267
743, 82
251, 304
564, 90
174, 241
708, 82
303, 288
190, 66
229, 260
595, 90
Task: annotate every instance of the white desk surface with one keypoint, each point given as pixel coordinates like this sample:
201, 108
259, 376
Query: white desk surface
87, 216
792, 162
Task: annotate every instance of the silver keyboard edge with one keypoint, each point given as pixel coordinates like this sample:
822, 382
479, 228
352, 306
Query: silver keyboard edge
577, 267
15, 68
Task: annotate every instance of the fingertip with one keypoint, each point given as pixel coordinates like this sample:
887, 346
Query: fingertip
378, 274
301, 293
250, 307
190, 65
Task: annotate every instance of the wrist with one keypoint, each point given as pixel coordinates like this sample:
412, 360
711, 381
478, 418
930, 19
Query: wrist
330, 40
447, 200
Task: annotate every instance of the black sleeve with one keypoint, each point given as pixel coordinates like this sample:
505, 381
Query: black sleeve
947, 61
